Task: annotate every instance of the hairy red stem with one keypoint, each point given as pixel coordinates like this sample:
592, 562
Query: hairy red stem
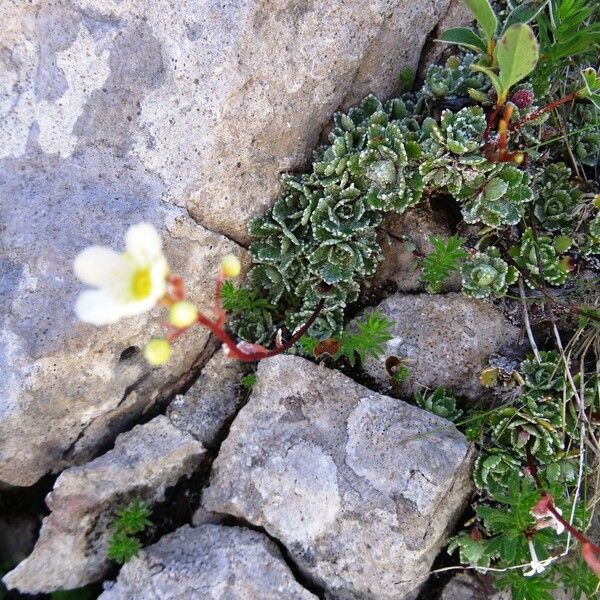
244, 356
540, 111
219, 312
589, 549
490, 123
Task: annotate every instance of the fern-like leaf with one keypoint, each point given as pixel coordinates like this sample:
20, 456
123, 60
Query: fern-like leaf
367, 339
439, 264
240, 299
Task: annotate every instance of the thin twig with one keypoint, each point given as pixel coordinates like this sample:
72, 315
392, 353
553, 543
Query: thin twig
532, 343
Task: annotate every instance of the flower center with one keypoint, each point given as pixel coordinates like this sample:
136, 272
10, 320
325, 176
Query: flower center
141, 284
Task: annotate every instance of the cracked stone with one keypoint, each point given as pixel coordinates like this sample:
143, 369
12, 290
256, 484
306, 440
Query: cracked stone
117, 112
404, 241
208, 562
69, 388
72, 548
211, 402
446, 341
361, 488
473, 586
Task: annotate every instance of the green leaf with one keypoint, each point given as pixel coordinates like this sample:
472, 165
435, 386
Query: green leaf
368, 338
122, 547
517, 54
134, 518
524, 13
249, 381
492, 77
484, 14
439, 264
463, 36
494, 189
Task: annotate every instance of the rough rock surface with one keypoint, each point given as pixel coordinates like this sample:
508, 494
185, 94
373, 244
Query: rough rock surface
360, 488
446, 341
211, 100
71, 550
473, 586
211, 562
112, 112
404, 240
69, 388
211, 402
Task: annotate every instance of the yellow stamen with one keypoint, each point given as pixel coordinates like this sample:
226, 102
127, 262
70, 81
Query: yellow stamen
141, 284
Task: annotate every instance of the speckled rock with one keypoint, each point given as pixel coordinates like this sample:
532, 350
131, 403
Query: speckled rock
446, 341
404, 242
213, 99
72, 549
113, 112
211, 562
473, 586
211, 402
360, 488
69, 388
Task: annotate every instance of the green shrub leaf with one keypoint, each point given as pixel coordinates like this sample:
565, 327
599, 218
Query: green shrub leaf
517, 54
463, 36
483, 12
524, 13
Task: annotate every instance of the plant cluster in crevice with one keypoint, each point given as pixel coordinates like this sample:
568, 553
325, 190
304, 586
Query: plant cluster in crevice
319, 239
508, 129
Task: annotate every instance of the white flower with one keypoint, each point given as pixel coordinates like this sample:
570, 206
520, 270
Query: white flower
127, 284
535, 564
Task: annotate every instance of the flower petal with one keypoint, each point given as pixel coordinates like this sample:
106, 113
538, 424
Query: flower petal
98, 307
143, 243
100, 266
158, 274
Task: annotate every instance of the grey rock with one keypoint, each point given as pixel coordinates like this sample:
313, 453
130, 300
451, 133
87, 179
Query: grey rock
404, 241
473, 586
208, 562
69, 388
72, 549
213, 99
361, 488
457, 14
445, 339
115, 112
211, 402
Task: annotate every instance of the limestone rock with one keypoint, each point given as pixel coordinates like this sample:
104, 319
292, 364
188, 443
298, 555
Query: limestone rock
72, 548
446, 341
208, 562
457, 14
69, 388
211, 402
114, 112
404, 242
213, 100
360, 488
473, 586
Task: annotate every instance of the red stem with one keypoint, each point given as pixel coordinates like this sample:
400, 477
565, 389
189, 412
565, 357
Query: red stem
298, 333
540, 111
580, 537
502, 132
219, 312
243, 356
490, 123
